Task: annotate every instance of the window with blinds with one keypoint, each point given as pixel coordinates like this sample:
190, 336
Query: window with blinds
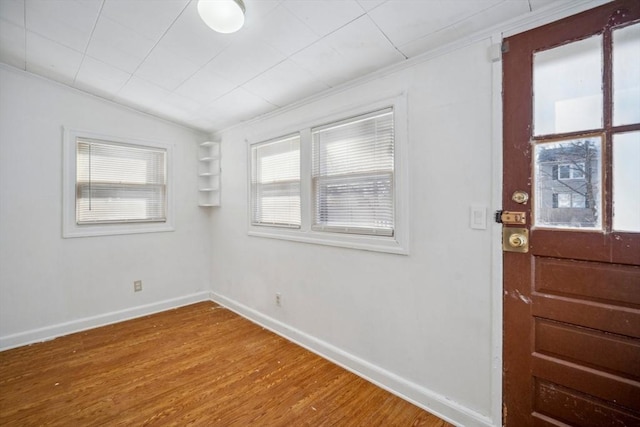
339, 183
275, 182
120, 183
353, 175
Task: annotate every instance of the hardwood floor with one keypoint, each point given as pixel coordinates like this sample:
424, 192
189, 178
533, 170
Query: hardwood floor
196, 365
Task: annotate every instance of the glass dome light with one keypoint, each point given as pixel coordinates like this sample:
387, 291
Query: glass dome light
223, 16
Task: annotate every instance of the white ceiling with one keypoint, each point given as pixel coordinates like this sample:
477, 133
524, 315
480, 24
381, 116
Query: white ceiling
158, 56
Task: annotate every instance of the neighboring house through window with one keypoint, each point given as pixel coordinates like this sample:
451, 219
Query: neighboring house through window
567, 176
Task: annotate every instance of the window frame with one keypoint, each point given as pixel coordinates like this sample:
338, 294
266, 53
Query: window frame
70, 228
398, 243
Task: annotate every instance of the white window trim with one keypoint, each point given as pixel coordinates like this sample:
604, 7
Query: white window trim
70, 228
396, 244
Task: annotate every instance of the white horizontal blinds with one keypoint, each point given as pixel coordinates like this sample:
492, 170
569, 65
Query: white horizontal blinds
275, 182
353, 164
118, 183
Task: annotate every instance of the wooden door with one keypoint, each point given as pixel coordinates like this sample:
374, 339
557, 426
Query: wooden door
572, 142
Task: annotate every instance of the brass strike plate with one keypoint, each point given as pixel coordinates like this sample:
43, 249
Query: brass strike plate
513, 218
515, 240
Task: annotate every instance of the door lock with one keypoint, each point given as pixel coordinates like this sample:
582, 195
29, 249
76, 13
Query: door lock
521, 197
515, 239
511, 218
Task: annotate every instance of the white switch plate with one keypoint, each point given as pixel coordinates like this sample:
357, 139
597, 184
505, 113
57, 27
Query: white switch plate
478, 217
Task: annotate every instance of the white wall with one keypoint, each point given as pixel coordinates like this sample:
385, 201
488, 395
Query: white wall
422, 325
50, 285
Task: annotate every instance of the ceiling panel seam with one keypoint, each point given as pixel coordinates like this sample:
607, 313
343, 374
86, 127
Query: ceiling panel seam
84, 53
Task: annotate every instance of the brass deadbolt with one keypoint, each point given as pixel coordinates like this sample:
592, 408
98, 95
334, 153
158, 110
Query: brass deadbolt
521, 197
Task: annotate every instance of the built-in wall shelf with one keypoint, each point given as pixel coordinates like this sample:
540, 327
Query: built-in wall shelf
209, 174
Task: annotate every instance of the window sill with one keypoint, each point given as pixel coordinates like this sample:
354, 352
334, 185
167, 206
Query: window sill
74, 230
367, 243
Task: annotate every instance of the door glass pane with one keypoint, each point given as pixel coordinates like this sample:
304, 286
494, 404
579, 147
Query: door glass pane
626, 182
626, 75
567, 87
568, 176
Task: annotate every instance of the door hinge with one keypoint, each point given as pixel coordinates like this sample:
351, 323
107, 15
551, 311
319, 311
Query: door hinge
496, 50
511, 218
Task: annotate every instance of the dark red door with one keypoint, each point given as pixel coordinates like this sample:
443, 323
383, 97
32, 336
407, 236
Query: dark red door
572, 288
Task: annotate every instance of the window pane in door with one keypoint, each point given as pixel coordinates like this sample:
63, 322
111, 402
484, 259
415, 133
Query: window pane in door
626, 182
567, 87
626, 75
568, 176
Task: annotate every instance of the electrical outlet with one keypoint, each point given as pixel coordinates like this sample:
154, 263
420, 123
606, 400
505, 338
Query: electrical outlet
278, 299
137, 286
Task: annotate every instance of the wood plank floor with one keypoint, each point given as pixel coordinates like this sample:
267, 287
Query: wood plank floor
196, 365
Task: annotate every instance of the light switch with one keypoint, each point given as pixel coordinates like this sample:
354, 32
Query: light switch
478, 217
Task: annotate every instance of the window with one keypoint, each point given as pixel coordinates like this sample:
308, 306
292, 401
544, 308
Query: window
570, 171
112, 186
569, 200
564, 172
353, 175
341, 182
119, 183
275, 183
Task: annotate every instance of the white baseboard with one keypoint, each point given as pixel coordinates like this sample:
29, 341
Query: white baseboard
50, 332
420, 396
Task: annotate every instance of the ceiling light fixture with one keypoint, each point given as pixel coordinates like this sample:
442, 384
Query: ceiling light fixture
223, 16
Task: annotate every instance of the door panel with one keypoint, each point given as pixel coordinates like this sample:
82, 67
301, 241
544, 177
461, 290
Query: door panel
597, 282
594, 348
622, 247
572, 302
593, 382
576, 408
